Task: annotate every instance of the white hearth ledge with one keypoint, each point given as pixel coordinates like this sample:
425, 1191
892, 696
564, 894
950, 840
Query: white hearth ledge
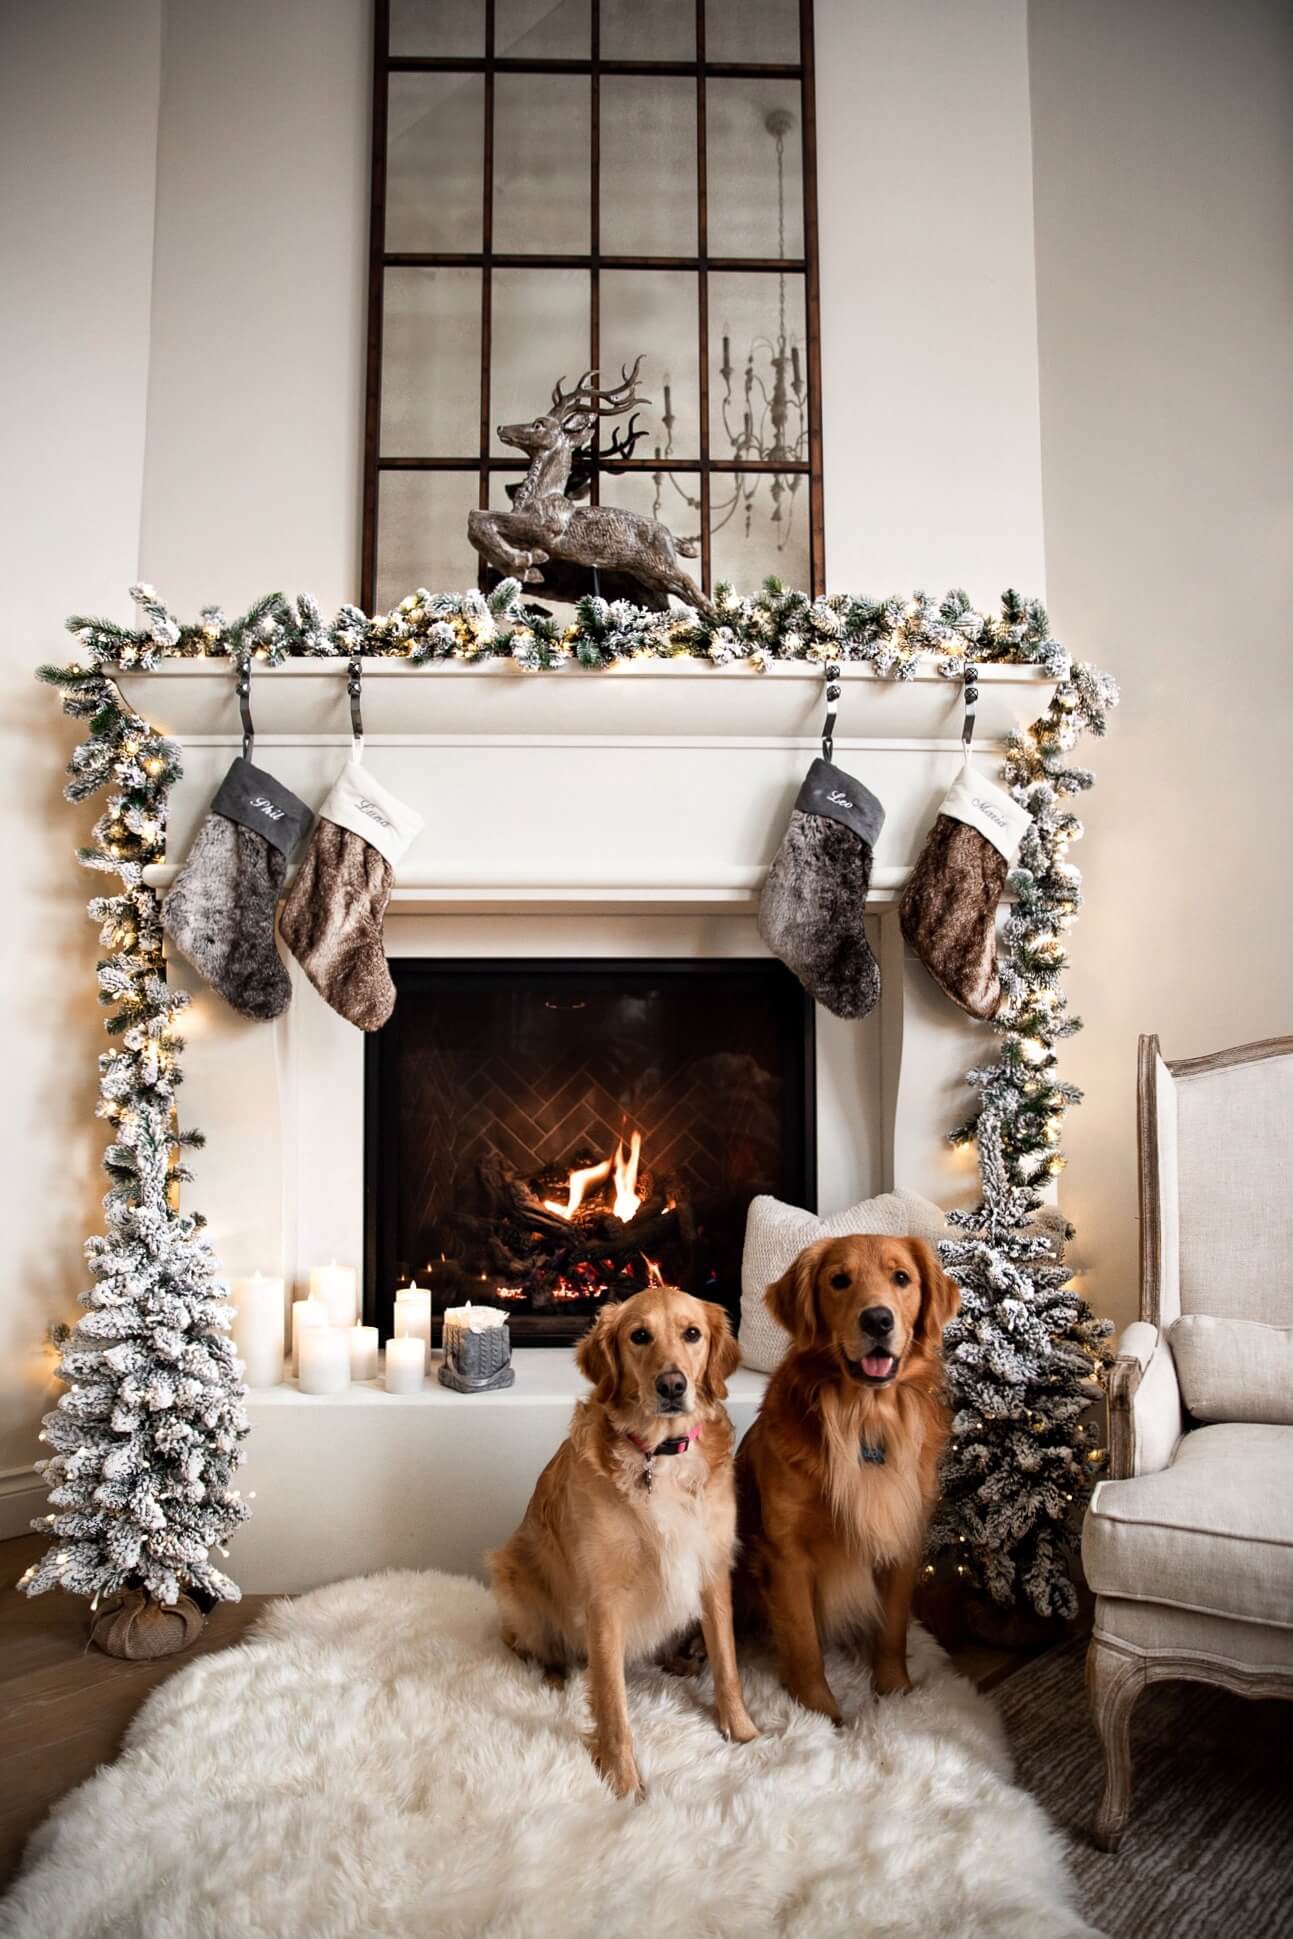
348, 1483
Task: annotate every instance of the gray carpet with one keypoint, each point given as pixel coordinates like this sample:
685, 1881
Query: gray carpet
1208, 1850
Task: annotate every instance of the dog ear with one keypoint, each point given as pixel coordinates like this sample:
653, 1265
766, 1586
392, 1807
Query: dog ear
792, 1300
596, 1356
724, 1353
940, 1296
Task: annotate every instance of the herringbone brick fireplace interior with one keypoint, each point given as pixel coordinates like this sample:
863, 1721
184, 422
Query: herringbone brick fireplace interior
550, 1133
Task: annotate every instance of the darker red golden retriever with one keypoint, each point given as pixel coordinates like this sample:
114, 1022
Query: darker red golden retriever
839, 1473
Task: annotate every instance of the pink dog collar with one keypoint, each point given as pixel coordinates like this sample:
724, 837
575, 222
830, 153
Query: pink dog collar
676, 1444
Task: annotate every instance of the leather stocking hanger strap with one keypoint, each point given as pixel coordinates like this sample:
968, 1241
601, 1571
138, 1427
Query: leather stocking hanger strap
971, 704
244, 705
355, 689
833, 673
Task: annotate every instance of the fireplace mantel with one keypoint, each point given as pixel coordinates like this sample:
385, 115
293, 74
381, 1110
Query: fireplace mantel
663, 702
658, 785
577, 815
637, 888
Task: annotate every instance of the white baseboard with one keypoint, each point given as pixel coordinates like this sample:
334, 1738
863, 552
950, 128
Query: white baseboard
22, 1496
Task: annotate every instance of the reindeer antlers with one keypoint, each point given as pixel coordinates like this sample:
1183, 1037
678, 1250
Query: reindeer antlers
623, 440
588, 398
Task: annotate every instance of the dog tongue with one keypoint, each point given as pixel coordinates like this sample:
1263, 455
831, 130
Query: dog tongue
877, 1364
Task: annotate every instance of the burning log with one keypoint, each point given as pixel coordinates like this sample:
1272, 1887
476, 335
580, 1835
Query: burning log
580, 1235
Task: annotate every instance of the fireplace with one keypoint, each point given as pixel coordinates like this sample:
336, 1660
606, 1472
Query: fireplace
552, 1134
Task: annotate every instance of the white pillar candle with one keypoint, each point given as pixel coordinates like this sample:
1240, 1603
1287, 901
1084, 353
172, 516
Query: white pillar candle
338, 1288
305, 1313
258, 1329
405, 1364
363, 1353
474, 1318
325, 1359
413, 1316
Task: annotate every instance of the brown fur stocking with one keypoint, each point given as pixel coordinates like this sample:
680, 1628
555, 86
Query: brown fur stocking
333, 913
949, 908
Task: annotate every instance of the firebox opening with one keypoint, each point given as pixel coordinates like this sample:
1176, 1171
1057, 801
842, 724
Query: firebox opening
550, 1135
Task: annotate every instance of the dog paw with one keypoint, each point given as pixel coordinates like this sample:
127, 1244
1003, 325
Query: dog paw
741, 1729
890, 1680
620, 1772
822, 1702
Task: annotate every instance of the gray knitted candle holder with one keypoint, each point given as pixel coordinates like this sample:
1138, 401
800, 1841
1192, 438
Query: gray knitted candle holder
477, 1363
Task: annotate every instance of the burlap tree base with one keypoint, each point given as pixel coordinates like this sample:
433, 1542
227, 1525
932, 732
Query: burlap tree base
133, 1626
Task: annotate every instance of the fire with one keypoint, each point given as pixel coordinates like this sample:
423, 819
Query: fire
625, 1167
626, 1178
654, 1275
579, 1183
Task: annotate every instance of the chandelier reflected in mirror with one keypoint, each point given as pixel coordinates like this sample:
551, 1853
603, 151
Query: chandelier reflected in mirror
764, 416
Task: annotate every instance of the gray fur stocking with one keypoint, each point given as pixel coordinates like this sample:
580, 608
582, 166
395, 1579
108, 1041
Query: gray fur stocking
219, 913
814, 898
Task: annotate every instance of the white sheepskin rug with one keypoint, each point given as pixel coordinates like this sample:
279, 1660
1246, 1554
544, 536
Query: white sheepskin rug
374, 1762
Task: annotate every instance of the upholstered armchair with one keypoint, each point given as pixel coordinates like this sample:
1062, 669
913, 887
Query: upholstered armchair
1189, 1544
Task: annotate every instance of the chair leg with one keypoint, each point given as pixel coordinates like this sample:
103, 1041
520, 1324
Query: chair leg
1113, 1682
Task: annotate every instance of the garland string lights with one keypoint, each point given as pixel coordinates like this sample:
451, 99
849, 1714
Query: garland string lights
149, 1430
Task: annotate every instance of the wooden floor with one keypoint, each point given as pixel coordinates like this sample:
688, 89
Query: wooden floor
65, 1707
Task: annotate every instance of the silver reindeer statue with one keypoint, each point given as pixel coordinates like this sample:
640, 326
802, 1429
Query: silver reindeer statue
547, 523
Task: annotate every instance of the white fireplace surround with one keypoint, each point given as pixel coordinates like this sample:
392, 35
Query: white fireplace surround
629, 813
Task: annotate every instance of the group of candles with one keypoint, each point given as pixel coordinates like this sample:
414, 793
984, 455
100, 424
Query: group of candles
329, 1347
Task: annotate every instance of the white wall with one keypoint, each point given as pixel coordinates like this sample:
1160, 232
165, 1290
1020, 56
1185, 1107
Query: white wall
78, 125
191, 416
929, 338
1162, 182
256, 381
1164, 187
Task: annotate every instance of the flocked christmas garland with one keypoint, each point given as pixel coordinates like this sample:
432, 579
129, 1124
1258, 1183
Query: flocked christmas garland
149, 1431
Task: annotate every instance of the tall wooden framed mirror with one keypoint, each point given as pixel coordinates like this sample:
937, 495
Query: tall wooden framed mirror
557, 187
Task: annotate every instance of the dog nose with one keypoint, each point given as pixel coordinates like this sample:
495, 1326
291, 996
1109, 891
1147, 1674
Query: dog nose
671, 1385
877, 1320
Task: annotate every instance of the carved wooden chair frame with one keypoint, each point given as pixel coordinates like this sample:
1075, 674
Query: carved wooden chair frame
1116, 1676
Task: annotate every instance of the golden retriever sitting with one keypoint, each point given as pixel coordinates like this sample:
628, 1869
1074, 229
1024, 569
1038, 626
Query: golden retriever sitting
839, 1473
629, 1534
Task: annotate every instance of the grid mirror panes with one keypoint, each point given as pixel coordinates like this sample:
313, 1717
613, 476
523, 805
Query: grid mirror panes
560, 187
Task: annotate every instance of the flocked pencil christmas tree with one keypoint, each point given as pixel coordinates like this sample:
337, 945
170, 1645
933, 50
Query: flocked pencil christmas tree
1025, 1352
148, 1432
1022, 1357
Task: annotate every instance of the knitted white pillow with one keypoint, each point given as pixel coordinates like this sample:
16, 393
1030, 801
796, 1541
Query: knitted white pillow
776, 1234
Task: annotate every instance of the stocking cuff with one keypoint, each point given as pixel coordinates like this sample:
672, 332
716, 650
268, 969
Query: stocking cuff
256, 800
828, 791
362, 805
982, 805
